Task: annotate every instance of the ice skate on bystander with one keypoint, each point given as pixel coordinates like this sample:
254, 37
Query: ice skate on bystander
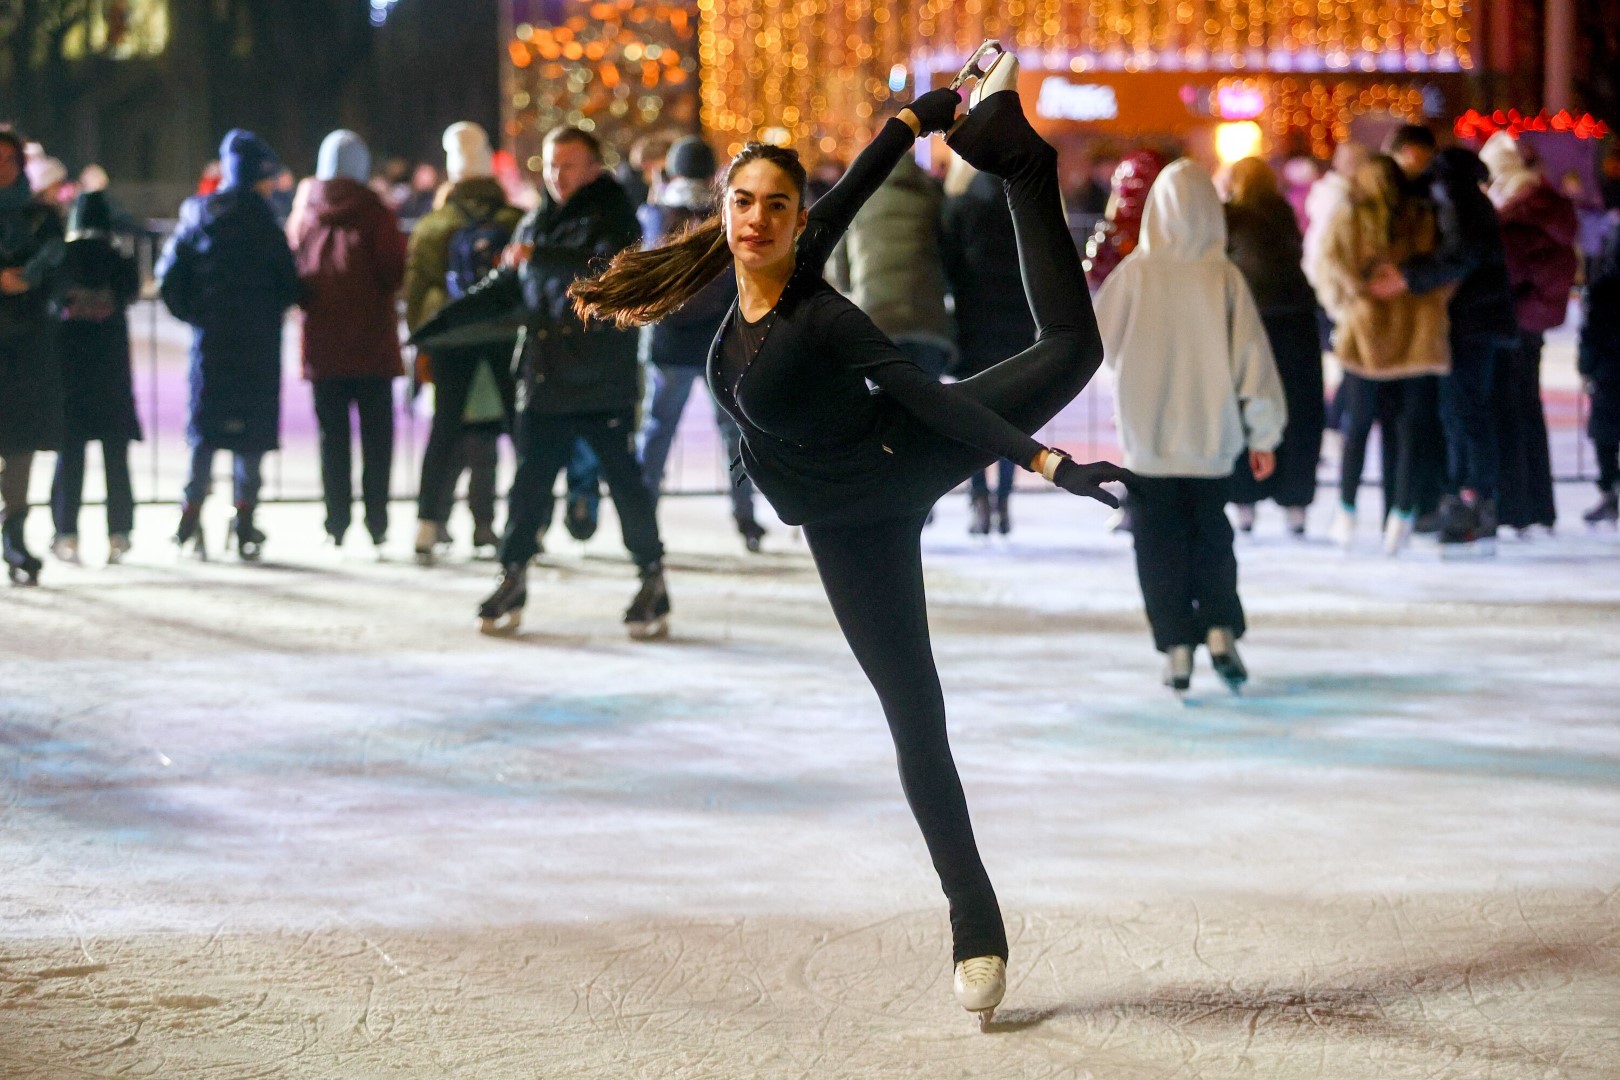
648, 614
21, 564
1343, 530
1397, 532
979, 515
189, 532
1178, 669
117, 548
1606, 512
1467, 527
66, 549
502, 612
249, 538
1223, 655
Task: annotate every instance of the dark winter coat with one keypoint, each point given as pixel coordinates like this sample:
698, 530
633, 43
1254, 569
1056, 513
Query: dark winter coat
30, 374
981, 269
227, 270
565, 368
1599, 356
889, 262
96, 285
351, 261
1538, 238
682, 338
1470, 254
427, 260
1264, 240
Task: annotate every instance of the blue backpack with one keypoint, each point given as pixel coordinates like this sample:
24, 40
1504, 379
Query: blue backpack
475, 248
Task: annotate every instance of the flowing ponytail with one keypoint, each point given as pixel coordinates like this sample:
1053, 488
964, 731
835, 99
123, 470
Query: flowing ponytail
641, 286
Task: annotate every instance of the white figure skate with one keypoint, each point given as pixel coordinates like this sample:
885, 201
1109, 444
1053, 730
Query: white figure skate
980, 984
1000, 73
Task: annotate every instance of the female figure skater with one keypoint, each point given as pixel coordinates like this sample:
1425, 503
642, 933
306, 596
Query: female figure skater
859, 469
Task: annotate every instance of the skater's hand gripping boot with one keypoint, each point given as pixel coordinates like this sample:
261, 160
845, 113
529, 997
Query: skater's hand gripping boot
935, 111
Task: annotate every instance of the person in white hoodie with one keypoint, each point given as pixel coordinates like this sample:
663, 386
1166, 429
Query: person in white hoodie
1196, 386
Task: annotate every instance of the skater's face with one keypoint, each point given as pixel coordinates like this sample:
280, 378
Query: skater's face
764, 214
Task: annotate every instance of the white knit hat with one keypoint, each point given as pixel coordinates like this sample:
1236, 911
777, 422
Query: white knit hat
44, 172
466, 152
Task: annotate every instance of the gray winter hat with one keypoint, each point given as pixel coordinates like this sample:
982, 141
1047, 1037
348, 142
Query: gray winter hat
691, 158
343, 155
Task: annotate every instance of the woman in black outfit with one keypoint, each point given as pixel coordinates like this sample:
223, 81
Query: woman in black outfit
860, 469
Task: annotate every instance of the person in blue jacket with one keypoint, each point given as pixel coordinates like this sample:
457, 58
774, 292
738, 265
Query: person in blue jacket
227, 270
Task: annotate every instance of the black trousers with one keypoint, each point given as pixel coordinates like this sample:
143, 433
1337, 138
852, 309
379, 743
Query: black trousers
453, 445
67, 487
1475, 451
544, 445
15, 470
869, 553
1184, 558
1524, 486
373, 400
1406, 411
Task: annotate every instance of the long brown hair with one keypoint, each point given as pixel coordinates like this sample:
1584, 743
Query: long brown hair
1253, 182
642, 285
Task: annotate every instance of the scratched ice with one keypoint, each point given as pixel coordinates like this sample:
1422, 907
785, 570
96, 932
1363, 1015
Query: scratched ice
301, 821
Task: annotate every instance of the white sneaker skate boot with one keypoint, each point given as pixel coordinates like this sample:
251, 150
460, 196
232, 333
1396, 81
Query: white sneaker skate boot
1397, 533
1343, 530
1178, 669
981, 983
66, 550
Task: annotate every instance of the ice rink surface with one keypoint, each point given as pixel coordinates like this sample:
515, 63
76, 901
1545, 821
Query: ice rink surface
301, 820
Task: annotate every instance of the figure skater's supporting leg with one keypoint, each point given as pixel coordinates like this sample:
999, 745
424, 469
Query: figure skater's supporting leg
873, 576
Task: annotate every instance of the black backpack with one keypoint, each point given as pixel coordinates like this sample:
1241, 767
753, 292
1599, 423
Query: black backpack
475, 248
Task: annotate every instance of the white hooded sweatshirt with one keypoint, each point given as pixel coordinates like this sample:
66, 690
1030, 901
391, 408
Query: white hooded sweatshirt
1195, 379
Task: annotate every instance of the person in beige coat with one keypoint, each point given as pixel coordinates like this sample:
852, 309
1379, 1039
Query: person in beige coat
1392, 350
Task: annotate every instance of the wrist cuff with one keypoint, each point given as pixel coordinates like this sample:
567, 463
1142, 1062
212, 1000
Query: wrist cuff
1049, 466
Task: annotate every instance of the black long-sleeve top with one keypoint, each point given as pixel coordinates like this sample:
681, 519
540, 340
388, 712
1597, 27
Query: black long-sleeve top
815, 437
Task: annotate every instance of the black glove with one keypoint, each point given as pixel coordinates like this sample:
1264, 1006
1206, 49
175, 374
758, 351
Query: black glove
936, 110
1078, 479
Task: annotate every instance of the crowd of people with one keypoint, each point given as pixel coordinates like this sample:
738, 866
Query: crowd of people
1432, 275
870, 345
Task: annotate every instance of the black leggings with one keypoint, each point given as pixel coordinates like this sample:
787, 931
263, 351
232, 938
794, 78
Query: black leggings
869, 554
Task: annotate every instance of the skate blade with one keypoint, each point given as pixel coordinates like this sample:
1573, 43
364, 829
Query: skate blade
986, 1018
502, 625
973, 69
649, 631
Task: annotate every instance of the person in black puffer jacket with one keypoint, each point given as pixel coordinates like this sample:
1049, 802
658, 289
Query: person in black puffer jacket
97, 283
30, 378
1263, 239
576, 380
677, 347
